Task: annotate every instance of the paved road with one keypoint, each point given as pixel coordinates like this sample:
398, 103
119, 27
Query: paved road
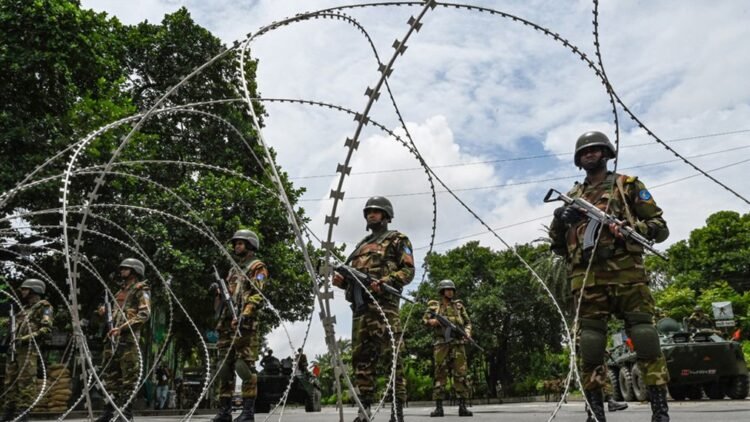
703, 411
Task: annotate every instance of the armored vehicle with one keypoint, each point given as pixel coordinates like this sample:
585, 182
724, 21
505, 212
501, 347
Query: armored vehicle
273, 380
698, 362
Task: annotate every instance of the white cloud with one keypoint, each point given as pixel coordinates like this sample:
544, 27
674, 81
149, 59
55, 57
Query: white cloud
479, 88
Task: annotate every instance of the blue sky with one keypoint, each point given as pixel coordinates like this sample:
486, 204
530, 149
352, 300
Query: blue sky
475, 87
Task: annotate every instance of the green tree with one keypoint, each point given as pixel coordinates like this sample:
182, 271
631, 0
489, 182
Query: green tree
718, 251
513, 318
71, 71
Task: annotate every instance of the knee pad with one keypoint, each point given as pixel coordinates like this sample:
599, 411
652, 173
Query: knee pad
644, 335
244, 370
592, 342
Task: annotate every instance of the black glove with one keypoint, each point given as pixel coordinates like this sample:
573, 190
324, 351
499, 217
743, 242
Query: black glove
568, 215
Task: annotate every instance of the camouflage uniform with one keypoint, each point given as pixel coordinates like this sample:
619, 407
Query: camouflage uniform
617, 282
449, 356
385, 256
244, 287
121, 366
20, 375
699, 321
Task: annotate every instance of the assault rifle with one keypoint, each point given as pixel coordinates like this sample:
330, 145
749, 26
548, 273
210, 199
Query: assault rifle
227, 300
452, 331
599, 217
356, 294
110, 321
12, 335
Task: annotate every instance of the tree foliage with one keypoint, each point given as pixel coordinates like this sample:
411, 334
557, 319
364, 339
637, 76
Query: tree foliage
68, 71
718, 251
513, 318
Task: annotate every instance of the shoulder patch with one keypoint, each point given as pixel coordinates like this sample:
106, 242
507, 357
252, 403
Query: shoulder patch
407, 250
260, 276
644, 194
47, 311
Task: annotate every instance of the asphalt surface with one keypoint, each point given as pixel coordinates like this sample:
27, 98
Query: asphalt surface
700, 411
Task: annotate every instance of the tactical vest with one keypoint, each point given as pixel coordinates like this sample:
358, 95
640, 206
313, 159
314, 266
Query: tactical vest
32, 319
374, 256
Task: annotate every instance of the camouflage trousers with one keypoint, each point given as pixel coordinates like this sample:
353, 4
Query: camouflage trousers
599, 303
450, 358
20, 378
243, 352
371, 345
121, 369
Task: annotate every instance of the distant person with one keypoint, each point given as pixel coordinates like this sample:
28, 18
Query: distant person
699, 320
162, 386
34, 321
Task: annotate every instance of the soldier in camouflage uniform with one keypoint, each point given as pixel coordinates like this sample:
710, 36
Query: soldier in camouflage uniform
34, 322
239, 339
698, 320
120, 360
450, 355
616, 282
386, 255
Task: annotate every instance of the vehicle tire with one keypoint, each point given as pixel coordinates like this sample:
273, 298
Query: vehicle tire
738, 387
678, 392
714, 390
312, 404
626, 384
695, 392
639, 386
614, 379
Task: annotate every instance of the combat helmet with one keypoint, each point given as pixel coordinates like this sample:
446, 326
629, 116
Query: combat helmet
379, 203
590, 139
697, 308
135, 265
35, 285
247, 235
446, 284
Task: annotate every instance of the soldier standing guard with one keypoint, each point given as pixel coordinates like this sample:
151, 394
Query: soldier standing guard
244, 287
34, 322
698, 320
121, 363
616, 281
385, 255
449, 355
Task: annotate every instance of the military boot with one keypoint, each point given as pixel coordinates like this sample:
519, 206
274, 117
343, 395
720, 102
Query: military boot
438, 412
225, 410
248, 411
659, 409
595, 407
397, 414
360, 417
614, 405
109, 413
462, 410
